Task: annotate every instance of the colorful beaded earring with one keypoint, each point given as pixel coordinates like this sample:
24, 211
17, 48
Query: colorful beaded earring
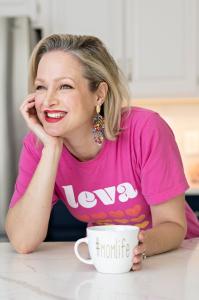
98, 126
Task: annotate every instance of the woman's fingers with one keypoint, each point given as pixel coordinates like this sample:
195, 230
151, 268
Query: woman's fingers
137, 259
141, 236
28, 111
27, 106
138, 252
30, 98
28, 101
137, 267
137, 262
139, 249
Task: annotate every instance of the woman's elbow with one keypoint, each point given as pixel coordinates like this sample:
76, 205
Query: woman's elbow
23, 248
20, 243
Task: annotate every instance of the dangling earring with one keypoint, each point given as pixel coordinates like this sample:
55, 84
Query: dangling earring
98, 126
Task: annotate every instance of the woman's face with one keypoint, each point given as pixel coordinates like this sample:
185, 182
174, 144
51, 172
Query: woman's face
63, 101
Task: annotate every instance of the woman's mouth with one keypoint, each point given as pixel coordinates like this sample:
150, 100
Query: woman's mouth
54, 116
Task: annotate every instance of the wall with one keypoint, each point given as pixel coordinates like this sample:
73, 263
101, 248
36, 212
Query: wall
183, 118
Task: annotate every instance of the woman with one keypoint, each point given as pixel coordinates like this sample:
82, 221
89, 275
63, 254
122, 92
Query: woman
109, 165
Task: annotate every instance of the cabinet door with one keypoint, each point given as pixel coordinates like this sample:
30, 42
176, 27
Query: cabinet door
160, 47
17, 8
91, 17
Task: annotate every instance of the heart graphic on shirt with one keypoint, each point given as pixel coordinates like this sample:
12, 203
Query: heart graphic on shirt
134, 211
138, 219
116, 214
143, 224
104, 222
100, 215
121, 221
84, 218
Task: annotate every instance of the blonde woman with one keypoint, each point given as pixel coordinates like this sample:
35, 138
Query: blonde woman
107, 164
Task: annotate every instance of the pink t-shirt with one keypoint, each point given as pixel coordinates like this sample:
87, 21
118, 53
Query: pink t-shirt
140, 169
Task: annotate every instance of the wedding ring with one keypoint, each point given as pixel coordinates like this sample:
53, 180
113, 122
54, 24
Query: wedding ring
144, 255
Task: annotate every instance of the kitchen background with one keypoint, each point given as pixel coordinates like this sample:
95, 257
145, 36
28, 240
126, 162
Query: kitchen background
155, 42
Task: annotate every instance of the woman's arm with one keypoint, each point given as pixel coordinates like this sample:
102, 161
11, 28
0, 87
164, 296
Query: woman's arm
169, 226
168, 231
27, 221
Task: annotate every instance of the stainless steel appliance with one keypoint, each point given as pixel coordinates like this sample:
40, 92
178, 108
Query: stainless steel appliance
17, 38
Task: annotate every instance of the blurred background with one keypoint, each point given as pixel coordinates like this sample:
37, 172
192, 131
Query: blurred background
156, 44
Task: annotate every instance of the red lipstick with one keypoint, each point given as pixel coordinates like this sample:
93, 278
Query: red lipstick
54, 116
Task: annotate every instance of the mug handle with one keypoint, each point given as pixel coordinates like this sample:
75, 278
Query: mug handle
76, 246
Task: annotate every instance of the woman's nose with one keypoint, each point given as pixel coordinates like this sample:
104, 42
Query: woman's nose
50, 99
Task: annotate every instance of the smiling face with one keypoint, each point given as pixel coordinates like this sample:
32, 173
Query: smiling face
64, 103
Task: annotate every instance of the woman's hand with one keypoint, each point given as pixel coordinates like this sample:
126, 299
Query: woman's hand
29, 113
139, 252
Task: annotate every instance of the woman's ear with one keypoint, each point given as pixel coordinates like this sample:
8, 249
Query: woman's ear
101, 92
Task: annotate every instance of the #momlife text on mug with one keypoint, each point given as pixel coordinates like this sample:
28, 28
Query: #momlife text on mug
110, 247
119, 249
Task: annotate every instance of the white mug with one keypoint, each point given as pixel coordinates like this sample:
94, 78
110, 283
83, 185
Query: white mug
110, 247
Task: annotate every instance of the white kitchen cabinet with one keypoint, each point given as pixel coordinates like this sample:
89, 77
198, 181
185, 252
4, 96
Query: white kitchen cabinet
160, 48
18, 8
154, 41
103, 19
38, 12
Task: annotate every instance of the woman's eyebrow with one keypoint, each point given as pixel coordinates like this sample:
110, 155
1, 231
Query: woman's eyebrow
56, 79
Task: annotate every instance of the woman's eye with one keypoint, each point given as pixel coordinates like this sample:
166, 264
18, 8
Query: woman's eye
66, 86
39, 87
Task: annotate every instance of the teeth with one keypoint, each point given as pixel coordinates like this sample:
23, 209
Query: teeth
55, 115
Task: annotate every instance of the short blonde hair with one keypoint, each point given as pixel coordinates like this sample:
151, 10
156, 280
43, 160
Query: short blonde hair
98, 66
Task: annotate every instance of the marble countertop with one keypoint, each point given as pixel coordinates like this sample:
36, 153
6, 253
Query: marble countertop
53, 272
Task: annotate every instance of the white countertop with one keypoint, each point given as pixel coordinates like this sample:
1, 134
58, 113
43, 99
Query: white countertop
53, 272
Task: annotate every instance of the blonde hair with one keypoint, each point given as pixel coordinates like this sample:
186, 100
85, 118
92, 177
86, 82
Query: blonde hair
98, 66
